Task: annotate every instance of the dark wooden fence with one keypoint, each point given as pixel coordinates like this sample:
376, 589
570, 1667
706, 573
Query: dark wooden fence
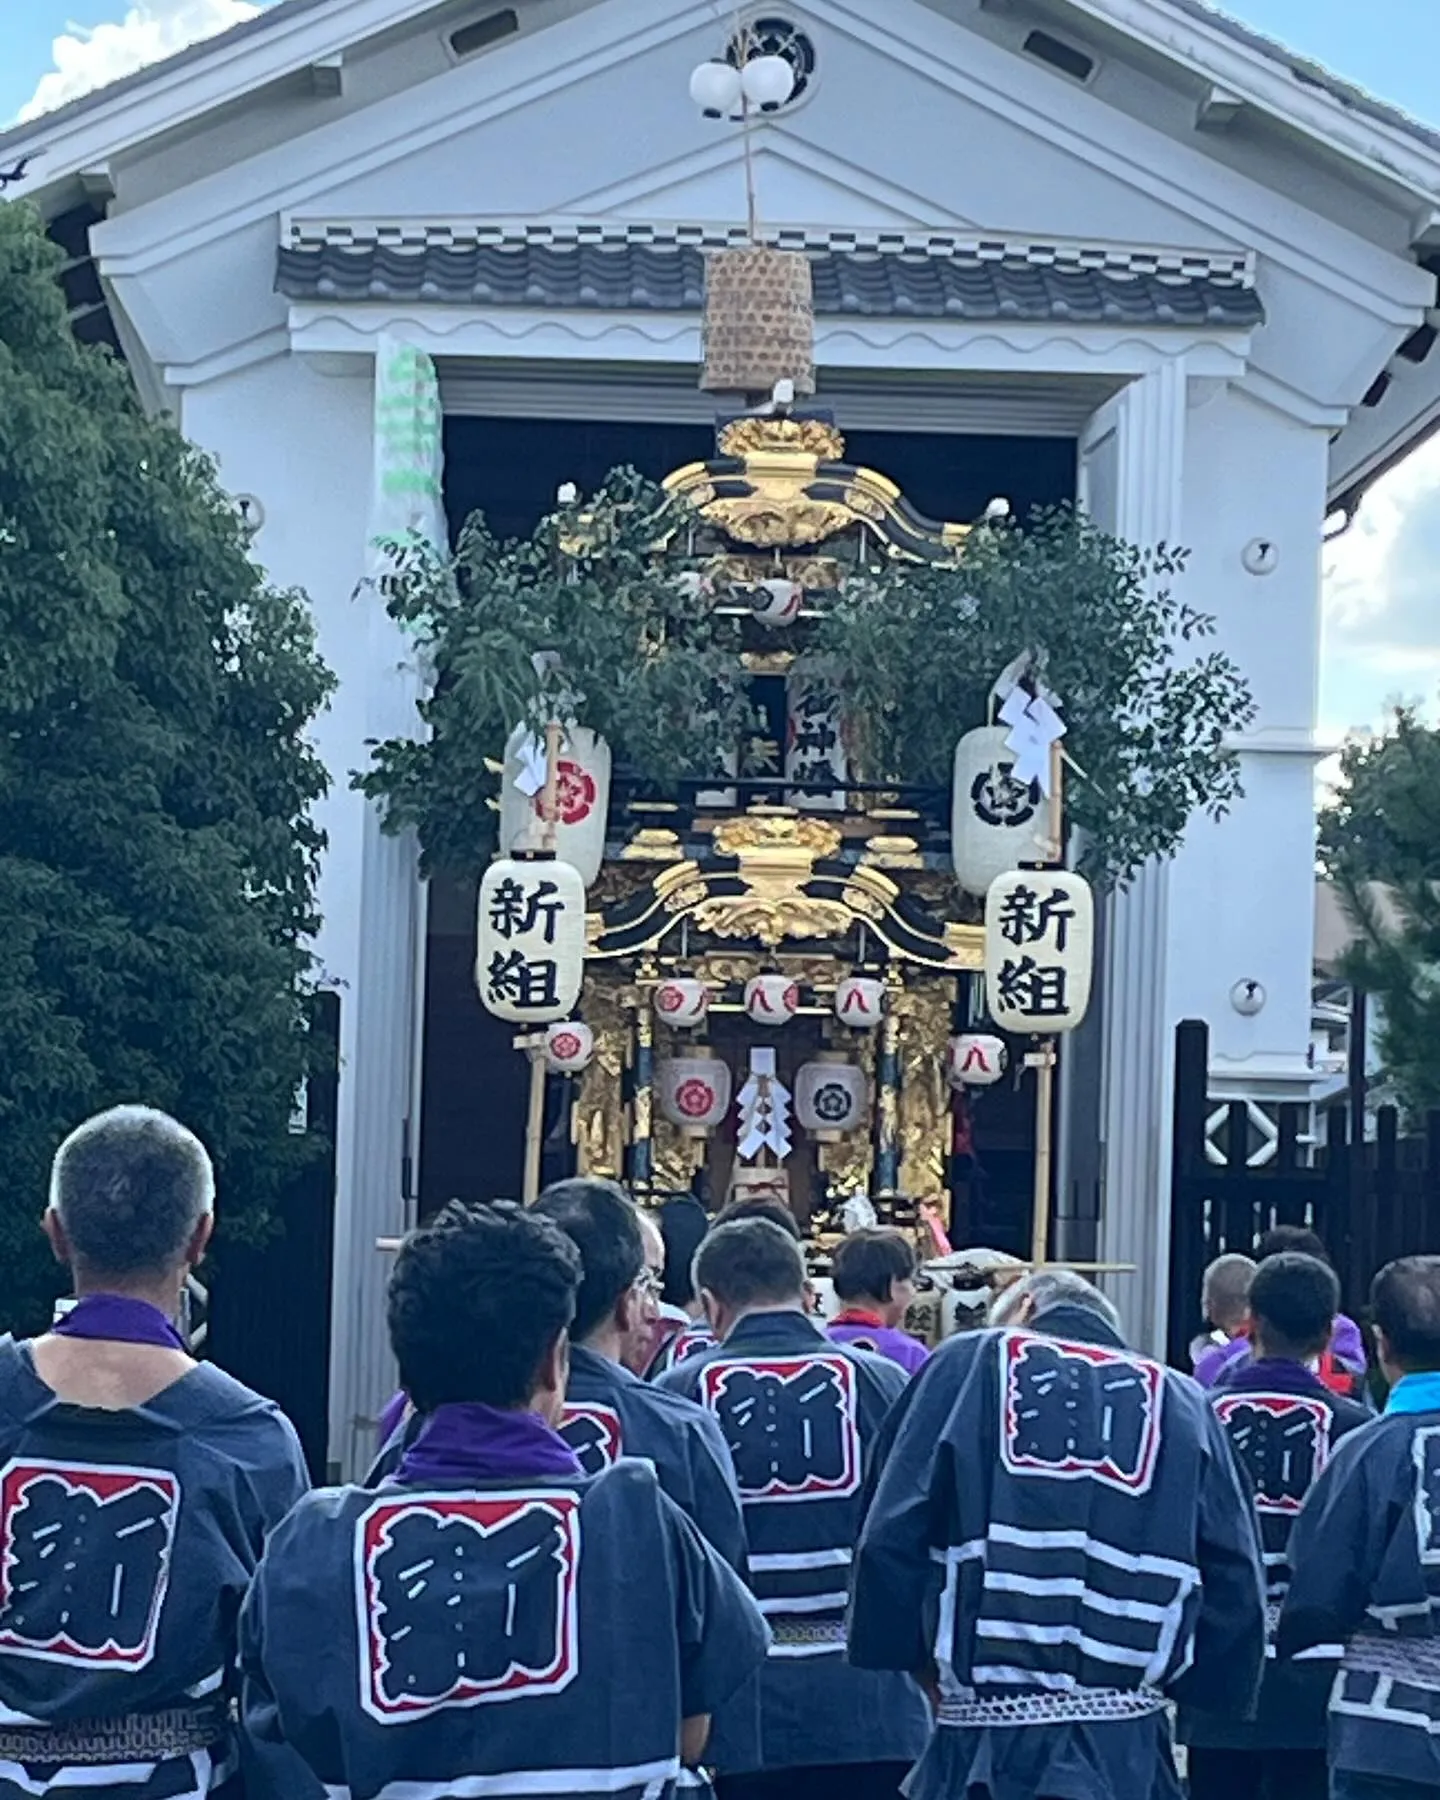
269, 1307
1369, 1198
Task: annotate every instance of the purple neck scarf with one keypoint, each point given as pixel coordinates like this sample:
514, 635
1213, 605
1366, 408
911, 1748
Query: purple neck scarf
468, 1443
120, 1320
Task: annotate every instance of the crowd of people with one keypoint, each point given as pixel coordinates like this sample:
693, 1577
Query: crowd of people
642, 1520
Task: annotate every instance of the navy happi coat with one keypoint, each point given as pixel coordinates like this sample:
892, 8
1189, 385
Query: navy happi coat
1285, 1425
1365, 1558
1059, 1531
539, 1636
801, 1415
610, 1413
127, 1543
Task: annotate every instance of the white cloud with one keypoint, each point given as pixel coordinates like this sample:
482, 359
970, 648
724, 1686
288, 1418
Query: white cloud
1381, 637
88, 56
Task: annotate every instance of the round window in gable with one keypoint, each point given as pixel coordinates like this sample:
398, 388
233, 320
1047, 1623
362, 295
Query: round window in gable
775, 37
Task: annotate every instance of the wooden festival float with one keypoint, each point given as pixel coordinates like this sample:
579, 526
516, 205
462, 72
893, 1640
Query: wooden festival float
782, 984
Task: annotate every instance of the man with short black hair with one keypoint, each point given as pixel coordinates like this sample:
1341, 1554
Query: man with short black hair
137, 1487
1342, 1365
873, 1273
1059, 1542
1284, 1424
1365, 1559
493, 1620
608, 1412
800, 1415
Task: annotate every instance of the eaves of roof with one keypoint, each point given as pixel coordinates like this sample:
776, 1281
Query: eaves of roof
1307, 75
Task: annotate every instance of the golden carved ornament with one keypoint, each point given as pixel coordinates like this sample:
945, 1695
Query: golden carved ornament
598, 1122
761, 836
966, 944
772, 920
772, 520
923, 1010
652, 844
813, 438
892, 853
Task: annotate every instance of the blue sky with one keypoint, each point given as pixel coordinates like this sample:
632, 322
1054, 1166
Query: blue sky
1382, 621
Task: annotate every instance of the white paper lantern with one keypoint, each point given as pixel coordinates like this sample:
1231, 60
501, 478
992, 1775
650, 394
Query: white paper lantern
569, 1047
1039, 949
996, 822
582, 797
715, 88
682, 1000
693, 1091
771, 999
530, 940
776, 601
976, 1059
831, 1098
860, 1001
767, 81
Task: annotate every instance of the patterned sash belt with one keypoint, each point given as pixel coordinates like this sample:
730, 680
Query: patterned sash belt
132, 1737
1042, 1706
814, 1633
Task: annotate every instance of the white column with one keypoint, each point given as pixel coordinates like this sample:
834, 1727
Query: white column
1146, 477
375, 1084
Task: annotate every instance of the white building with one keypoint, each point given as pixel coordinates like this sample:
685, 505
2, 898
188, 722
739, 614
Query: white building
1124, 240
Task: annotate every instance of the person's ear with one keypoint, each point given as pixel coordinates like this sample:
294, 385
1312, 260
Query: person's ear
628, 1311
714, 1311
552, 1376
200, 1239
55, 1232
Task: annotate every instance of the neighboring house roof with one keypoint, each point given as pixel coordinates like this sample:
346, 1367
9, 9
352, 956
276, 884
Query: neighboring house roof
877, 275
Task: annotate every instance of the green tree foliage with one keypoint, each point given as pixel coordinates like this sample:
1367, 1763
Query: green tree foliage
580, 619
917, 649
157, 854
1380, 843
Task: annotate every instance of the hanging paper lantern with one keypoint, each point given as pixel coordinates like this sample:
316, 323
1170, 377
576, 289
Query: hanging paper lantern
976, 1059
569, 1047
1039, 949
771, 999
682, 1000
530, 940
860, 1001
831, 1098
996, 822
582, 797
694, 1092
776, 601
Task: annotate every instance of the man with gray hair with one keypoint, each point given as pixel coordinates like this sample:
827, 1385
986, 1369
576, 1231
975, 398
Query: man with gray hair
137, 1487
1058, 1543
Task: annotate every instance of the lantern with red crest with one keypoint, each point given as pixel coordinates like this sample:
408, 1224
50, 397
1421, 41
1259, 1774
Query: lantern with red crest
682, 1000
569, 1047
694, 1092
771, 999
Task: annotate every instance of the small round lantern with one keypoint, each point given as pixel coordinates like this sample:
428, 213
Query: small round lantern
860, 1001
777, 601
682, 1000
831, 1098
569, 1047
693, 1091
976, 1059
771, 999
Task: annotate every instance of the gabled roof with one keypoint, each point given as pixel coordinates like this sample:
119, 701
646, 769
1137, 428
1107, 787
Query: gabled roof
342, 23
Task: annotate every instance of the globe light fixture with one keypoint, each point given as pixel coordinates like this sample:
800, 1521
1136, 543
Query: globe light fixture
767, 82
716, 89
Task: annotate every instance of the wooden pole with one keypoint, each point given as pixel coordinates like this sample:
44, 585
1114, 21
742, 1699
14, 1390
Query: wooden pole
535, 1114
1044, 1059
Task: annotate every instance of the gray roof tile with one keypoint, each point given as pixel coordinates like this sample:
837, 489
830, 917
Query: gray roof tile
671, 278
